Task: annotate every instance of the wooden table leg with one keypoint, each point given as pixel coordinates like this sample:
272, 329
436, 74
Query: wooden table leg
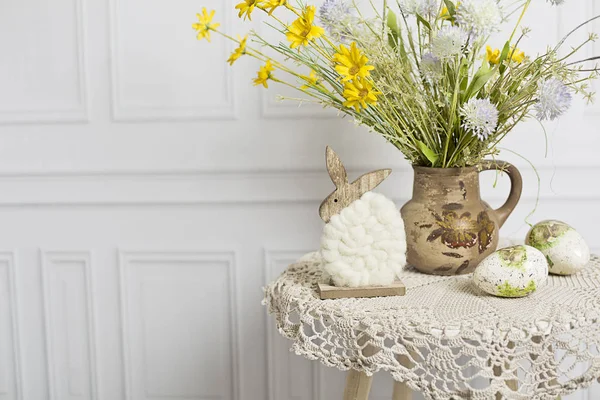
358, 386
401, 391
513, 384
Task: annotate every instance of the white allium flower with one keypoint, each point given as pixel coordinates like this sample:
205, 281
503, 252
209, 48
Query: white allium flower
480, 116
431, 66
336, 16
448, 42
556, 2
479, 17
554, 98
425, 8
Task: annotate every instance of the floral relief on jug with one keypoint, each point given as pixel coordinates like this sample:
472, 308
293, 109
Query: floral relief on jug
449, 228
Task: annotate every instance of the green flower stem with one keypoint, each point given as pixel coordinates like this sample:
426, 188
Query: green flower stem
418, 111
525, 7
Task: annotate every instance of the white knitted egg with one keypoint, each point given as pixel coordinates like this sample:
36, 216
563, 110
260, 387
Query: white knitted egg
365, 244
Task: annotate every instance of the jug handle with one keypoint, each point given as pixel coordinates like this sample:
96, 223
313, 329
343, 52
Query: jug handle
516, 187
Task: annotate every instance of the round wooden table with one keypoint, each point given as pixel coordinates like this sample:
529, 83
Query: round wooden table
445, 338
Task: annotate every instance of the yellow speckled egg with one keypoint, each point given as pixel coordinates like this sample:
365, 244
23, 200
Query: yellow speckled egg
514, 271
564, 248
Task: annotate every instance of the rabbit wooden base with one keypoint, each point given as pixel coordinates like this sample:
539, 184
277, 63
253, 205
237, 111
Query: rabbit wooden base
334, 292
363, 245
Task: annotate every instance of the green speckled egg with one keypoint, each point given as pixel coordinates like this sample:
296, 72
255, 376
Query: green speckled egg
514, 271
564, 248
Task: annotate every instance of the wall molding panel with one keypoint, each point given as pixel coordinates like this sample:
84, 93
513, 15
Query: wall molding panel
10, 356
289, 110
69, 317
187, 187
49, 113
124, 110
163, 296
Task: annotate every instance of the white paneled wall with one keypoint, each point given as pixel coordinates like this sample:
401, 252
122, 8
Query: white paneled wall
137, 40
161, 294
43, 73
148, 191
70, 335
10, 373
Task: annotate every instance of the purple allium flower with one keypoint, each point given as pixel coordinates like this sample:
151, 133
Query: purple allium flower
480, 116
336, 16
553, 99
425, 8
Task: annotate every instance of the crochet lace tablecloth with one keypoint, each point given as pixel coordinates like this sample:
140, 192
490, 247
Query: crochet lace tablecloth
446, 338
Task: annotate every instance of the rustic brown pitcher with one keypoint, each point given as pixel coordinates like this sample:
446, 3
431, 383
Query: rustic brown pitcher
449, 229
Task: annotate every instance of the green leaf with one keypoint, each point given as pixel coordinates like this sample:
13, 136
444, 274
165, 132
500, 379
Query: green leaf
423, 21
392, 40
503, 57
392, 23
403, 54
451, 8
464, 73
481, 77
463, 83
394, 34
430, 154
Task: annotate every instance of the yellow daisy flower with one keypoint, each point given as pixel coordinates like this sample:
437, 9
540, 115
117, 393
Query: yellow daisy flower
264, 74
271, 5
246, 7
311, 80
517, 55
204, 26
302, 31
492, 56
352, 63
359, 93
445, 14
240, 51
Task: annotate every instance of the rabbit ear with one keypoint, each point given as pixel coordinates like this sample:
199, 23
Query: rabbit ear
336, 169
369, 181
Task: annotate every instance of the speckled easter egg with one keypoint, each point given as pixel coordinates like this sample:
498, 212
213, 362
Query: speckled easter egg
564, 248
512, 272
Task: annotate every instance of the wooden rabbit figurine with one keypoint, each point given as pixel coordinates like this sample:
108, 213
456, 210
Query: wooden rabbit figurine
363, 241
345, 193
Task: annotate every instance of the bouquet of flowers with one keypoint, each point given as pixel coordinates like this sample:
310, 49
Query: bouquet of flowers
418, 72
